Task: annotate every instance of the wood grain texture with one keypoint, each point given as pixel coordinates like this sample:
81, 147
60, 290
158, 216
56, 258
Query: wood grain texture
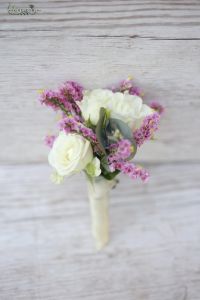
158, 18
99, 43
166, 70
47, 250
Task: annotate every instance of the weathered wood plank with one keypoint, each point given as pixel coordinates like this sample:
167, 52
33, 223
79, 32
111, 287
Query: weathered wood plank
47, 250
163, 19
167, 70
45, 243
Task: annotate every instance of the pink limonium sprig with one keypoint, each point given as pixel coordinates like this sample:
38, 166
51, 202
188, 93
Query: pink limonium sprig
64, 99
69, 124
130, 169
146, 131
118, 160
120, 150
157, 107
51, 98
49, 140
73, 90
128, 85
73, 125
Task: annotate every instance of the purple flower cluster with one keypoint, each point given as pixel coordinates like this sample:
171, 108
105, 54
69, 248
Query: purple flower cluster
49, 140
73, 90
50, 98
128, 85
69, 124
157, 107
88, 133
135, 91
72, 125
64, 99
149, 126
120, 150
119, 154
130, 169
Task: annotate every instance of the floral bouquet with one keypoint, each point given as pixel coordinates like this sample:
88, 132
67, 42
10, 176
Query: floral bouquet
100, 132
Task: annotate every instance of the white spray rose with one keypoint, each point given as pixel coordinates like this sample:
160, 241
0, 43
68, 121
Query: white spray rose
70, 154
123, 106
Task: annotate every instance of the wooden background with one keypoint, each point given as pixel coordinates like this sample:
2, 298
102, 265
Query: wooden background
46, 248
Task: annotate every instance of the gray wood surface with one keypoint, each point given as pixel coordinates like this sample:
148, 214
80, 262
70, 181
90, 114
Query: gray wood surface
99, 43
46, 249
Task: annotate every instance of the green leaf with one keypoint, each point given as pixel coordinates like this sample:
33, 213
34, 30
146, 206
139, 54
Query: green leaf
101, 129
124, 129
89, 124
110, 176
104, 164
106, 129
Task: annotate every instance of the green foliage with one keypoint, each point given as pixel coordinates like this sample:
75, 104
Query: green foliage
89, 124
108, 131
110, 176
104, 164
101, 129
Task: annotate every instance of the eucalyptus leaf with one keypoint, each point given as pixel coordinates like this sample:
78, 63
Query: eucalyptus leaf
106, 130
124, 129
101, 129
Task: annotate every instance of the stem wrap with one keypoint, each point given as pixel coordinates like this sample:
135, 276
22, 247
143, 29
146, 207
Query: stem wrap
98, 193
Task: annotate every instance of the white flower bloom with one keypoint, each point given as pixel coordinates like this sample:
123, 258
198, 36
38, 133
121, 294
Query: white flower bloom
123, 106
70, 154
93, 168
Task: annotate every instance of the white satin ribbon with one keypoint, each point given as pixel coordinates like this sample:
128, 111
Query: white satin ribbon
98, 193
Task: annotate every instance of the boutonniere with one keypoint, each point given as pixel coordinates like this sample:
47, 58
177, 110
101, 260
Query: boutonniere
100, 132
